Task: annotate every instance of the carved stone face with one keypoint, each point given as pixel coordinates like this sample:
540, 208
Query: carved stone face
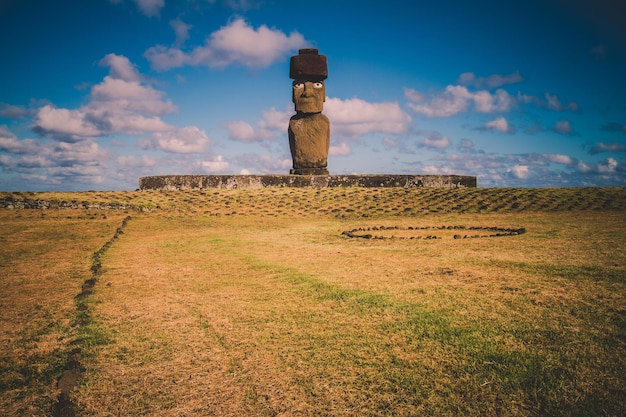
309, 96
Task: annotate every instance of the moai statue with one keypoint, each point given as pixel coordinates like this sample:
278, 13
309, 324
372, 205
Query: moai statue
309, 129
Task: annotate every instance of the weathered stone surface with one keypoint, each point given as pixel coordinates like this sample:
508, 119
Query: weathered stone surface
308, 64
194, 182
308, 96
309, 141
309, 129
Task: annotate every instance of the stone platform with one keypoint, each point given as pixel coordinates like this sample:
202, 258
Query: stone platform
195, 182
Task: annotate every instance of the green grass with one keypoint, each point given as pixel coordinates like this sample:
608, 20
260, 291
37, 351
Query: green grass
252, 302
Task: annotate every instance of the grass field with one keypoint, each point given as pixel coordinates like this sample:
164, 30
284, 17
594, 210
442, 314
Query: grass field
257, 303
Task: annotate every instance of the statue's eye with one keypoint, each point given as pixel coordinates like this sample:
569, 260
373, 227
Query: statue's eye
298, 85
318, 85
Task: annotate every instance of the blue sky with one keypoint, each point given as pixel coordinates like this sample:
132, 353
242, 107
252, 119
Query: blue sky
95, 94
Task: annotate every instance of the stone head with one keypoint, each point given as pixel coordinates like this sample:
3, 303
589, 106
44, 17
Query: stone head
309, 70
309, 96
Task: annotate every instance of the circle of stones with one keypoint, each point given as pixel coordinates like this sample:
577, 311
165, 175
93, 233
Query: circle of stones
471, 232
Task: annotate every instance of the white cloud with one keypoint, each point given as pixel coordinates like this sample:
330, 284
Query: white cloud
234, 44
500, 124
263, 163
188, 139
67, 124
452, 101
241, 131
85, 153
500, 101
608, 166
490, 82
521, 172
121, 104
216, 165
583, 167
130, 161
456, 99
274, 122
341, 149
130, 96
356, 117
50, 162
10, 143
435, 141
162, 58
120, 67
560, 159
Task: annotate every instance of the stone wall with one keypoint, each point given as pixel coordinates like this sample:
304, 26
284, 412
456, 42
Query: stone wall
194, 182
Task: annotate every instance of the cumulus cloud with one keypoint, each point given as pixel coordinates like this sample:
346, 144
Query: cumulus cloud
120, 67
355, 117
188, 139
234, 44
11, 144
120, 104
263, 163
560, 159
52, 161
520, 172
275, 120
216, 165
500, 124
529, 170
241, 131
457, 99
608, 166
434, 141
274, 123
131, 161
340, 149
71, 125
490, 82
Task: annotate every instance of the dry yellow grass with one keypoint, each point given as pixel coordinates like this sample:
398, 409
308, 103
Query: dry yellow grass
248, 317
262, 307
44, 258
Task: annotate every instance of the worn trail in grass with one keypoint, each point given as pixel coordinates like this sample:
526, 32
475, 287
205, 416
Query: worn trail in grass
44, 259
248, 315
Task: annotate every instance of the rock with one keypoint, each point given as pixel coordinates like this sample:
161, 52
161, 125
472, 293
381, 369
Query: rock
309, 141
